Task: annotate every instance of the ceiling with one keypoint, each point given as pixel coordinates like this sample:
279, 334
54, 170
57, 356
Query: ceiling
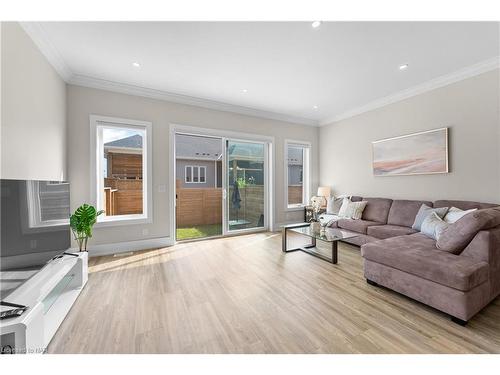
280, 69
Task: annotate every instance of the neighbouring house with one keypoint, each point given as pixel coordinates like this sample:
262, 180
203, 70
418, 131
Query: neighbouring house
124, 158
198, 162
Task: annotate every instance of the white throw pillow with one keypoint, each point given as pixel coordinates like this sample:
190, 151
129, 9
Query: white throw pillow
352, 210
456, 213
433, 226
333, 205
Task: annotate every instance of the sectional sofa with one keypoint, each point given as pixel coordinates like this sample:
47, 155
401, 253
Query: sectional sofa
459, 283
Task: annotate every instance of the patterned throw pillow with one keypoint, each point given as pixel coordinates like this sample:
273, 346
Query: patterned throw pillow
352, 210
424, 212
433, 226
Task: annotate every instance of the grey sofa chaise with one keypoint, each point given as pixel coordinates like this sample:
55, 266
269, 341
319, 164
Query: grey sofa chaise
459, 282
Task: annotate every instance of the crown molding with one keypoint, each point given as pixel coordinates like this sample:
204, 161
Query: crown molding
97, 83
37, 34
447, 79
39, 37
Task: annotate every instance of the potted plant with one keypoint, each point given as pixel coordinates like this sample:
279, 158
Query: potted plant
81, 223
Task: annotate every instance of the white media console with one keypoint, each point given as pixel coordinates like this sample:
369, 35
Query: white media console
49, 295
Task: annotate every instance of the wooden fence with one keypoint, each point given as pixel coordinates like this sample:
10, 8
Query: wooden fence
198, 206
294, 194
201, 206
122, 197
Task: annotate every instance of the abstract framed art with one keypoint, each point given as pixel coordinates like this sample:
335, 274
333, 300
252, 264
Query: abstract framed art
418, 153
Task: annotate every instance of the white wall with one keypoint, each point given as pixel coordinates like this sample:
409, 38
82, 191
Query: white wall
470, 108
85, 101
33, 130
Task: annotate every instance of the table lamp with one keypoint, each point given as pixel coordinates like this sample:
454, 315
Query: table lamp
324, 191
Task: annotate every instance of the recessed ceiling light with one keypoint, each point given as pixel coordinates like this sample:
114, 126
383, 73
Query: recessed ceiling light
136, 65
316, 24
315, 107
244, 91
403, 67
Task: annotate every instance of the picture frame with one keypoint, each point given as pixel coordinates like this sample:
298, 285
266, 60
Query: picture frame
418, 153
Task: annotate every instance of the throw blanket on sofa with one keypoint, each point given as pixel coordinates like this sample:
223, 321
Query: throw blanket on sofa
327, 220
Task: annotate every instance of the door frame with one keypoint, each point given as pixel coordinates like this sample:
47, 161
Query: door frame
269, 204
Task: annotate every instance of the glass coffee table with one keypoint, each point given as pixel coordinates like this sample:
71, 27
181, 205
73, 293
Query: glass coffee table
330, 235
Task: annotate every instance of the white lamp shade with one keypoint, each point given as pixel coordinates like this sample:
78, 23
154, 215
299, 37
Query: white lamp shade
324, 191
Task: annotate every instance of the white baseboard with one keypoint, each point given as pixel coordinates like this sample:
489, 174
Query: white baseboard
124, 247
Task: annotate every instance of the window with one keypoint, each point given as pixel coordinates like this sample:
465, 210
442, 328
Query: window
195, 174
121, 184
296, 174
47, 204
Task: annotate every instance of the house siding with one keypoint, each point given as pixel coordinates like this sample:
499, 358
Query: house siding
181, 171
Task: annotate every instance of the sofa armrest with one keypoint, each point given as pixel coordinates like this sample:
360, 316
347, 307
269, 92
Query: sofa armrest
485, 246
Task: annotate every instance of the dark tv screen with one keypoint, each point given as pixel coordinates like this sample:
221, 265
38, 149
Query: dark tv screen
34, 227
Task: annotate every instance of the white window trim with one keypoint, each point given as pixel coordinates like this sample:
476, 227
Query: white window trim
32, 222
192, 167
306, 174
96, 152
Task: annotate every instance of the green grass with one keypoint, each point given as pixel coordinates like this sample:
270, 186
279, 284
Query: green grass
198, 231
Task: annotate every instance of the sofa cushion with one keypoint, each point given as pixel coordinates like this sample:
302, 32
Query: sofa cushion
334, 224
359, 240
388, 231
377, 209
416, 254
359, 226
403, 212
463, 205
456, 236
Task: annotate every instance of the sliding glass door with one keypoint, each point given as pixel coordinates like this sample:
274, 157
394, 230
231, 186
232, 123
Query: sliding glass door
245, 185
221, 185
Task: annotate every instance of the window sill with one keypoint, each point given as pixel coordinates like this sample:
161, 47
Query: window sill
123, 220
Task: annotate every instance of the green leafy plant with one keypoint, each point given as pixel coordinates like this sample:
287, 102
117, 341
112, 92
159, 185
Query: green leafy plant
81, 223
241, 182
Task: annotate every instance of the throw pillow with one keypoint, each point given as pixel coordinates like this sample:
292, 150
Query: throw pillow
433, 226
425, 211
352, 210
456, 213
333, 205
455, 237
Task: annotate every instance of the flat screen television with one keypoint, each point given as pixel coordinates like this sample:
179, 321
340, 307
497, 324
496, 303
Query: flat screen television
34, 225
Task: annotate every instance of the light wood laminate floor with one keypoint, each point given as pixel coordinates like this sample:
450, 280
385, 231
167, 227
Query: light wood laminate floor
243, 295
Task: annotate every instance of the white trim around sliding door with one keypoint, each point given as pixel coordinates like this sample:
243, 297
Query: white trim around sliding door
218, 133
